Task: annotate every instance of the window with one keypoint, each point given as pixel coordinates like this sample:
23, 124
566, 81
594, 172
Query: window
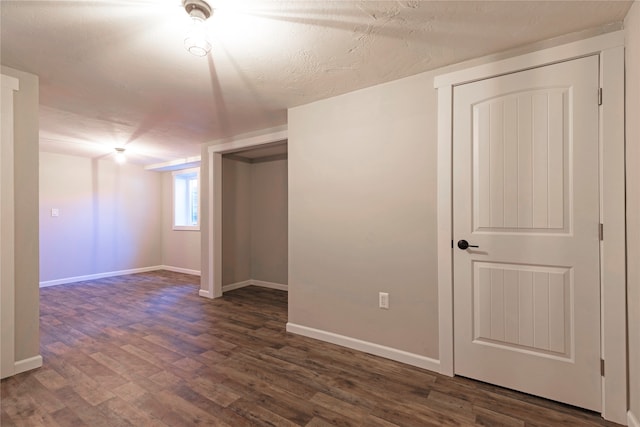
186, 199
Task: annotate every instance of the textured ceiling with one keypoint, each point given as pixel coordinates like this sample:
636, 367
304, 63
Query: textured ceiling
115, 73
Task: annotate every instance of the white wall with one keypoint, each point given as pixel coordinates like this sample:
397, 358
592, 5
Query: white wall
362, 209
236, 221
112, 218
269, 221
362, 181
254, 221
632, 28
180, 248
362, 215
109, 217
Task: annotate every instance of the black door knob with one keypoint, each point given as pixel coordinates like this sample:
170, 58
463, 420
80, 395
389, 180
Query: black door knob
463, 244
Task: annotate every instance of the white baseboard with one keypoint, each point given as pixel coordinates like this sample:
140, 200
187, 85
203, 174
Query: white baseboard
25, 365
117, 273
237, 285
632, 420
261, 283
98, 276
367, 347
180, 270
270, 285
205, 293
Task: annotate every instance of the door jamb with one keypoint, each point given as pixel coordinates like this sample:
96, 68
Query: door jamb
211, 283
610, 48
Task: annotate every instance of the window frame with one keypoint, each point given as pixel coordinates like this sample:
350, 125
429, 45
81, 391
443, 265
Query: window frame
174, 178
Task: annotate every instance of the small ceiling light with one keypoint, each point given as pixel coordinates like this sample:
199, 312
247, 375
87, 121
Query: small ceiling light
120, 157
196, 41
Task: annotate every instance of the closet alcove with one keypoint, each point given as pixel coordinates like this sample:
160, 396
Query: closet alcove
254, 218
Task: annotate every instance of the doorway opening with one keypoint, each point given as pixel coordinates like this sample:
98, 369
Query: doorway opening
255, 217
211, 279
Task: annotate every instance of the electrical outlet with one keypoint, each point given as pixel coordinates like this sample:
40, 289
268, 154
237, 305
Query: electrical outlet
55, 212
383, 300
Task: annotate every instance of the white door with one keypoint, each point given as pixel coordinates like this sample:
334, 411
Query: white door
526, 192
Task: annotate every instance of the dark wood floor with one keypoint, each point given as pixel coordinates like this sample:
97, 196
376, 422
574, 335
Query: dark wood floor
145, 350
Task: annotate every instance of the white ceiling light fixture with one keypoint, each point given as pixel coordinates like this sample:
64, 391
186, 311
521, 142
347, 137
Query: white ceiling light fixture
120, 157
197, 41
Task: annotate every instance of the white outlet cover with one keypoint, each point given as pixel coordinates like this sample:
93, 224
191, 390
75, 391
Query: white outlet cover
55, 212
383, 300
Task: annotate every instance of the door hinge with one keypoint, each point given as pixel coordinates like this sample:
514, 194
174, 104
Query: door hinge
600, 96
452, 244
602, 367
601, 231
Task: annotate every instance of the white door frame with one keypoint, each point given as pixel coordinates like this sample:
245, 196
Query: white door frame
212, 286
610, 48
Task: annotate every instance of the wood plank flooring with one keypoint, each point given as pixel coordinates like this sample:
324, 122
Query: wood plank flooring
145, 350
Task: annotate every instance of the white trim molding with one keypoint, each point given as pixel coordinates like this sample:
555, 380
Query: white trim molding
76, 279
254, 282
613, 249
25, 365
367, 347
632, 420
270, 136
9, 85
204, 294
610, 49
270, 285
184, 175
445, 232
589, 46
236, 285
180, 270
174, 165
211, 285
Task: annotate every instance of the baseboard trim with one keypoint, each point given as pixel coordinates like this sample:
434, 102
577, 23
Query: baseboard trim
180, 270
205, 294
270, 285
25, 365
250, 282
367, 347
75, 279
632, 420
237, 285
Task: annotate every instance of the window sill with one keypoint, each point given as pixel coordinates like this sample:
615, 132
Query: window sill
186, 228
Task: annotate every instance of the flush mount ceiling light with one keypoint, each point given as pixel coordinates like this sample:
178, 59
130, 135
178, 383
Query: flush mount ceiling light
196, 40
120, 157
